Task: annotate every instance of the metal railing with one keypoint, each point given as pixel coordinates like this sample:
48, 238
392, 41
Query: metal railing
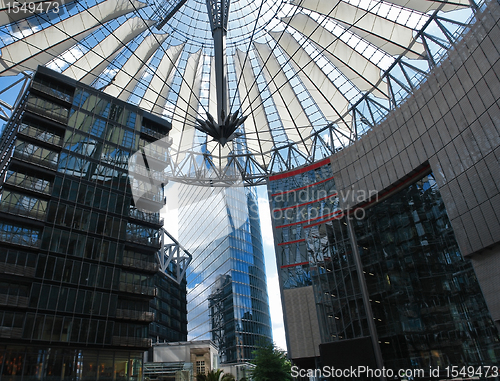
10, 332
20, 239
153, 218
29, 182
153, 133
37, 159
138, 264
138, 289
152, 241
135, 315
20, 211
57, 114
13, 300
131, 341
40, 134
14, 269
51, 91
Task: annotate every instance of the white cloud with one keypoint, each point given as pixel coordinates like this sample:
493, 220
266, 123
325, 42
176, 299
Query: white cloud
272, 274
276, 311
265, 220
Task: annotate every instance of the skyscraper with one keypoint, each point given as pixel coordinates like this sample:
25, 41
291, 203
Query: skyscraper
227, 293
77, 258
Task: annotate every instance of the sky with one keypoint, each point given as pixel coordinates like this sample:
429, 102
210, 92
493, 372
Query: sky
271, 271
270, 260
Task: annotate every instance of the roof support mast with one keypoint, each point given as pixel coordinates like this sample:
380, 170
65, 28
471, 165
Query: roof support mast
218, 12
223, 127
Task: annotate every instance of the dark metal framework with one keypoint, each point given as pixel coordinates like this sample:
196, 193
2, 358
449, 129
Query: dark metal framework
256, 151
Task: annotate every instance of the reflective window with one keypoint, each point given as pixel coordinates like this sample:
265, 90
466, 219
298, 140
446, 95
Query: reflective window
426, 301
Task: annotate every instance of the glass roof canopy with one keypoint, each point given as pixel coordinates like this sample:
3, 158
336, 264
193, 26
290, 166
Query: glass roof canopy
311, 76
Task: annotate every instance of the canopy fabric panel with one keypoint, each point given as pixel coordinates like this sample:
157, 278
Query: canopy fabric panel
156, 93
292, 114
88, 67
363, 73
426, 6
387, 31
332, 103
41, 47
258, 135
186, 108
131, 72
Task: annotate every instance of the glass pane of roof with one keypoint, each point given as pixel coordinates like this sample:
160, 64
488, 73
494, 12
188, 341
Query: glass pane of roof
343, 64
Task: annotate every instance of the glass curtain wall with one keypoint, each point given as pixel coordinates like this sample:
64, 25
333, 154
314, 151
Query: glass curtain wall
227, 293
77, 258
426, 301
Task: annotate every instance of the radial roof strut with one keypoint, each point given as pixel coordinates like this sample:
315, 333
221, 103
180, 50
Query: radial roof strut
286, 81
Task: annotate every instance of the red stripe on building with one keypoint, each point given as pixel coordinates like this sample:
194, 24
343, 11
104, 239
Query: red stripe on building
294, 265
304, 187
291, 242
300, 170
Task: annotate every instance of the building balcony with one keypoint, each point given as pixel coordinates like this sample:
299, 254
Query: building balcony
135, 315
14, 301
43, 161
14, 269
30, 183
10, 332
20, 239
137, 170
40, 134
149, 241
141, 265
153, 218
36, 214
138, 289
153, 133
131, 342
51, 91
58, 114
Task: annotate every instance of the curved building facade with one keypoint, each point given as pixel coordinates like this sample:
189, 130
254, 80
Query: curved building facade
396, 238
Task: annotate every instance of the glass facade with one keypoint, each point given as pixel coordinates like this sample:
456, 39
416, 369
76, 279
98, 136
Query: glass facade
170, 309
77, 258
423, 296
44, 363
227, 293
426, 301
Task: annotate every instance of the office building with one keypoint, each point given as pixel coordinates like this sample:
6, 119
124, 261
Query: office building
388, 247
227, 294
78, 259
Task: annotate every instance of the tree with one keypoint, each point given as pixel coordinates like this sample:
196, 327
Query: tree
271, 364
215, 375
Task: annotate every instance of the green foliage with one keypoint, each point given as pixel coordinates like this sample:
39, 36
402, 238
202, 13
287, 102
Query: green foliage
271, 364
215, 375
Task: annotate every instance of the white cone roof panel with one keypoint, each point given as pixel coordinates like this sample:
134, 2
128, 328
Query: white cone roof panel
347, 63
